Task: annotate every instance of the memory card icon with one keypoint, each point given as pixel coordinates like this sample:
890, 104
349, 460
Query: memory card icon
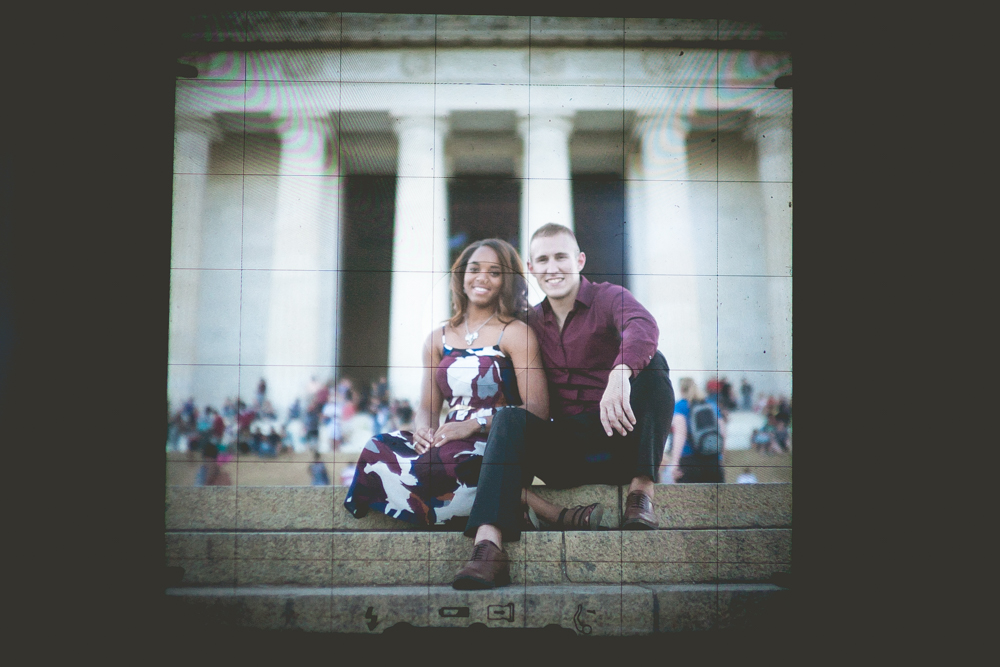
497, 612
453, 612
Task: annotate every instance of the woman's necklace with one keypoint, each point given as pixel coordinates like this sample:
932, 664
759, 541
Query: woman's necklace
469, 337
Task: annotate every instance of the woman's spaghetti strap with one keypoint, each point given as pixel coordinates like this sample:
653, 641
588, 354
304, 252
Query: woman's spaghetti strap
501, 333
443, 341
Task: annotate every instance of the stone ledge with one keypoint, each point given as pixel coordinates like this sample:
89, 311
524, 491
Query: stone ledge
723, 607
281, 508
587, 610
370, 558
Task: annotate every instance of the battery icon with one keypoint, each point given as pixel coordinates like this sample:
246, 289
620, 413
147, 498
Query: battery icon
453, 612
496, 612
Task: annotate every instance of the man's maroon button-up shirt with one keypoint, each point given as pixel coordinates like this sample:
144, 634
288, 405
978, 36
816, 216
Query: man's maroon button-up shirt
606, 327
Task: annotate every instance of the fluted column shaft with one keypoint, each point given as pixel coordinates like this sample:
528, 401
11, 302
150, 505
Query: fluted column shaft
774, 150
546, 193
664, 244
294, 326
420, 293
192, 142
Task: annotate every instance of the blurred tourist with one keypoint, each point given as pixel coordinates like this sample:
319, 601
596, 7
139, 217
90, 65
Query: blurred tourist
727, 399
275, 441
261, 393
403, 412
218, 428
687, 463
381, 415
746, 392
317, 471
782, 434
760, 440
211, 473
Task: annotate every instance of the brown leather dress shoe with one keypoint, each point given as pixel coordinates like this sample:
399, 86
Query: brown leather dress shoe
639, 513
489, 567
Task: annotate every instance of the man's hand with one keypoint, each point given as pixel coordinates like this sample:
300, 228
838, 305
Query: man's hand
616, 410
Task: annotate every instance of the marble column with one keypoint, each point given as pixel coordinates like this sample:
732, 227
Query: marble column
192, 142
773, 136
662, 244
546, 193
635, 220
420, 298
295, 329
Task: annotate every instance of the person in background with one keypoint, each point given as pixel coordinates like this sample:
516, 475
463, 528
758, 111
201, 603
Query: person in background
686, 465
218, 428
403, 414
205, 422
317, 472
295, 410
190, 413
312, 428
746, 392
257, 441
211, 473
261, 394
760, 441
275, 441
782, 434
727, 399
331, 424
380, 414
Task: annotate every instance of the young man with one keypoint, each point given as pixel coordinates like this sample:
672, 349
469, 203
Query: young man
599, 346
610, 401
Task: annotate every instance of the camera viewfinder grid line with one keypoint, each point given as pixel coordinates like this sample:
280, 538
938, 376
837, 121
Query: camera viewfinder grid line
239, 326
718, 125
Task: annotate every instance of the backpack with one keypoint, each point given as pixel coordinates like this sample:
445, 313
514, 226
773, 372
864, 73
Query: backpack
704, 423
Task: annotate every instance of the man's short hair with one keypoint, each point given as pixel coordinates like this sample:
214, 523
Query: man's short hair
554, 229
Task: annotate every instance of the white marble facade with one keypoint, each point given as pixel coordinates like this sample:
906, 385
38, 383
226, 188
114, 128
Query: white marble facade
264, 139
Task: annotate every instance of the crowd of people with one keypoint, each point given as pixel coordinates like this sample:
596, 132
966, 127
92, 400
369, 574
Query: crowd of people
775, 435
692, 462
340, 417
333, 417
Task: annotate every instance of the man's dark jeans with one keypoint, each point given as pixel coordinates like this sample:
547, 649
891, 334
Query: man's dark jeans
570, 451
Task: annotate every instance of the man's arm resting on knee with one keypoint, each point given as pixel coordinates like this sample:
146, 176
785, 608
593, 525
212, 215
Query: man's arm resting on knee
616, 408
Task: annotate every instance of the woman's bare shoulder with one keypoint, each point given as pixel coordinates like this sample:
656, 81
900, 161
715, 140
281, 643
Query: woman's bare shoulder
517, 325
518, 334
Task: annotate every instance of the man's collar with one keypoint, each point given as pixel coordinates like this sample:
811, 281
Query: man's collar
584, 296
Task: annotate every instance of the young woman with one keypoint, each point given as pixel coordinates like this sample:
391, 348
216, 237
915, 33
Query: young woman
484, 358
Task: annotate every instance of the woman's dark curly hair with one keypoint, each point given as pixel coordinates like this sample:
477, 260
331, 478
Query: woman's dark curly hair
513, 301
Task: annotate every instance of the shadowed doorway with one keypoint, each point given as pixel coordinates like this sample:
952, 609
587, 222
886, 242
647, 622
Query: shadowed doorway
599, 219
366, 277
482, 207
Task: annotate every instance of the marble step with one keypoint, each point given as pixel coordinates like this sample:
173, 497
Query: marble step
366, 558
281, 508
596, 610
